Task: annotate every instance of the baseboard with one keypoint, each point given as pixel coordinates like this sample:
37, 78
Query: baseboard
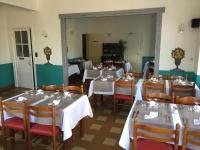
7, 87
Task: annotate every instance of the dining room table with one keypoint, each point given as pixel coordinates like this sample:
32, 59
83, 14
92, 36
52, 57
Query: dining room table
139, 87
160, 114
66, 104
96, 72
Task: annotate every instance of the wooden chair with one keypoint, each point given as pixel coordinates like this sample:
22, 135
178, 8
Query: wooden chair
73, 89
188, 100
15, 123
190, 137
160, 97
51, 88
182, 90
149, 137
153, 87
124, 97
51, 131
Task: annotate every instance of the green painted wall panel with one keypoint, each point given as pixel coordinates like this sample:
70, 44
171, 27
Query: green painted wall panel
145, 59
6, 75
48, 74
191, 75
198, 80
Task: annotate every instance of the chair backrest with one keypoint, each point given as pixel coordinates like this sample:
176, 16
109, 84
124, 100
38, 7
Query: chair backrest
154, 133
74, 89
188, 100
190, 137
182, 90
13, 108
153, 87
51, 88
125, 85
42, 112
160, 97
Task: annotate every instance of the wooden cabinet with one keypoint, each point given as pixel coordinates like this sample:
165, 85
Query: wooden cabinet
112, 51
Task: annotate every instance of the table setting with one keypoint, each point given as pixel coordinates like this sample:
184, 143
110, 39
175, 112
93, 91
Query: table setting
66, 104
162, 115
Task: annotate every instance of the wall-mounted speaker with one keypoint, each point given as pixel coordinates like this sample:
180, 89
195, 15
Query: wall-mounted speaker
196, 23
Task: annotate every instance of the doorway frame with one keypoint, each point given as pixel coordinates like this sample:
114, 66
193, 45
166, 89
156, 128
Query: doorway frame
14, 55
63, 23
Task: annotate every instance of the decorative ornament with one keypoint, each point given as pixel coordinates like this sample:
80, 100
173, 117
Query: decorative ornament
47, 52
178, 54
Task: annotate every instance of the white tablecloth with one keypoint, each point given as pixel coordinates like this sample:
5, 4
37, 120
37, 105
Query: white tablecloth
128, 67
87, 64
72, 69
89, 75
72, 114
92, 91
139, 89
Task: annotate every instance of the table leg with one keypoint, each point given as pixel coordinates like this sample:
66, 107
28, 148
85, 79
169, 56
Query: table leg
82, 127
95, 101
101, 99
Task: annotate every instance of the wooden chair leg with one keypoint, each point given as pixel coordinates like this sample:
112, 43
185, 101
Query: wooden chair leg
95, 101
4, 139
54, 142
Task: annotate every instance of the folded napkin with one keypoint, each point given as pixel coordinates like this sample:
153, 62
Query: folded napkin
197, 122
67, 93
110, 69
55, 102
39, 92
151, 115
21, 99
153, 104
110, 76
196, 108
104, 79
129, 78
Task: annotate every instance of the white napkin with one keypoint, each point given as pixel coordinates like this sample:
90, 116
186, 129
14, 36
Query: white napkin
196, 108
21, 99
95, 68
39, 92
129, 77
110, 76
153, 104
197, 122
151, 115
55, 102
104, 79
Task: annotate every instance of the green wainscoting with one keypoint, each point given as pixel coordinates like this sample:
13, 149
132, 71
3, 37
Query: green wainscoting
145, 59
198, 80
48, 74
6, 75
191, 75
71, 60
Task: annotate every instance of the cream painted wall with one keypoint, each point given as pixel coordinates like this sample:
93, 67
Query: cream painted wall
138, 31
27, 4
4, 46
177, 12
38, 22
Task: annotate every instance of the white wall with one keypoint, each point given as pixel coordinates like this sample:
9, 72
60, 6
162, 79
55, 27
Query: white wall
27, 4
20, 18
179, 11
4, 46
138, 31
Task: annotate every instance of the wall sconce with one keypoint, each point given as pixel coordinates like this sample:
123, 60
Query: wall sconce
108, 34
181, 28
44, 34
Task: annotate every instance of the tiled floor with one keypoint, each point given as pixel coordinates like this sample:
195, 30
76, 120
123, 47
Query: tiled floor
102, 132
